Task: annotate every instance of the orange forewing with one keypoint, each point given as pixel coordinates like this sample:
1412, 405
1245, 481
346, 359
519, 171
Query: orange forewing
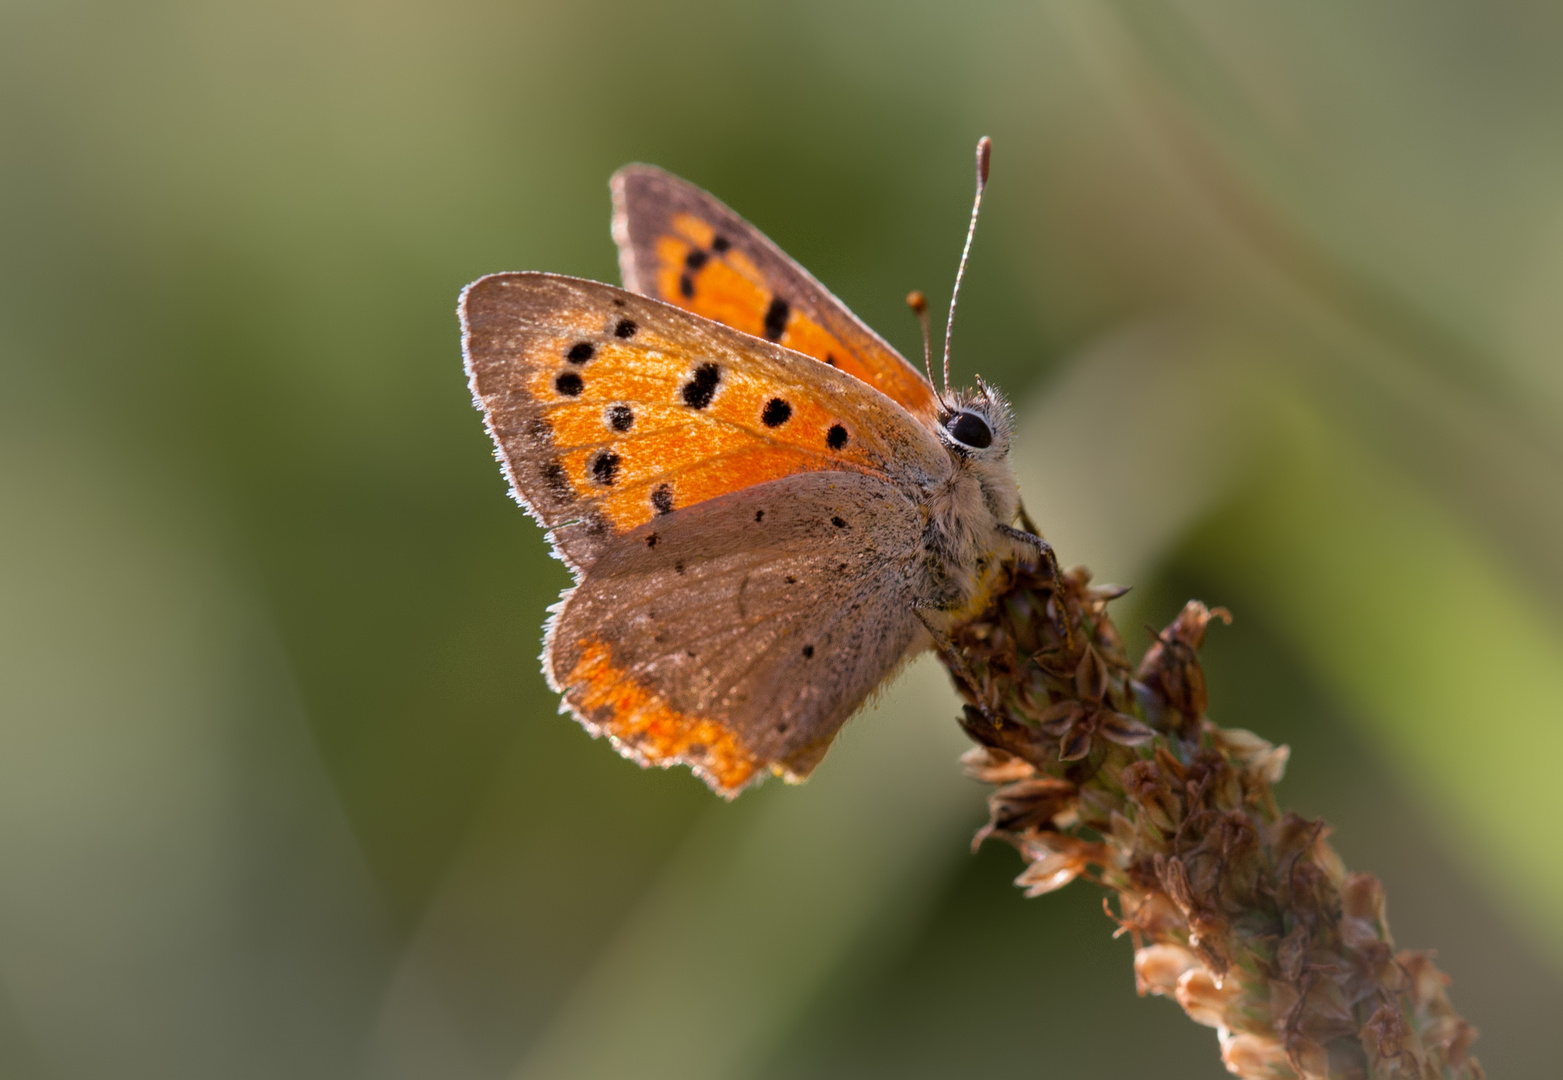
681, 245
701, 453
618, 434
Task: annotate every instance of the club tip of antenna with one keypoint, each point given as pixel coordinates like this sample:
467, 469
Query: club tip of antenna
917, 302
984, 153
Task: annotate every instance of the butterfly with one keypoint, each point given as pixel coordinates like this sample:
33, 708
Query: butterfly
765, 508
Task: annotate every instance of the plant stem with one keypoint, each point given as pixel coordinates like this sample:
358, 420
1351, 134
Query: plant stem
1240, 911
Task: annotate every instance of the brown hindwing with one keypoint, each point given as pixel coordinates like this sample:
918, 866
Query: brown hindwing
738, 635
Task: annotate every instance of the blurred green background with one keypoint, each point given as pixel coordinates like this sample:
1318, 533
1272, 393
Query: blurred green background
1278, 291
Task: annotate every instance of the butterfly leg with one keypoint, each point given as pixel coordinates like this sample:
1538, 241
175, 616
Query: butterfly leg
955, 660
1026, 522
1045, 551
1032, 541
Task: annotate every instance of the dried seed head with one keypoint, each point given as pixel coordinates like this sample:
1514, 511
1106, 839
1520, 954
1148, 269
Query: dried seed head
1091, 677
1427, 982
1171, 671
1175, 882
1362, 913
1124, 730
1240, 743
993, 766
1204, 998
1142, 781
1122, 830
1047, 874
1309, 1059
1157, 968
1385, 1037
1075, 745
1245, 915
1030, 803
1056, 860
1292, 953
1271, 768
1060, 717
1266, 761
1254, 1057
1451, 1034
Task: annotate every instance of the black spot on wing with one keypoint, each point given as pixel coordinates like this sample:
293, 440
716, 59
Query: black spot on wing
686, 286
808, 652
836, 437
538, 431
651, 541
558, 483
830, 359
569, 384
662, 499
776, 318
605, 466
695, 259
759, 515
720, 244
777, 412
620, 417
625, 328
839, 523
581, 352
701, 388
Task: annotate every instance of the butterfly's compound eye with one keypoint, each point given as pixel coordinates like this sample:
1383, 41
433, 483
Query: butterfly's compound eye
971, 430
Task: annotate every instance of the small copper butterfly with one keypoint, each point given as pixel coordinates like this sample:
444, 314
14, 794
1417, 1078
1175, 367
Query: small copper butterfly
766, 509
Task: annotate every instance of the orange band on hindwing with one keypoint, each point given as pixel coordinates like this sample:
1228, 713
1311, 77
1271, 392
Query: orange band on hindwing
645, 728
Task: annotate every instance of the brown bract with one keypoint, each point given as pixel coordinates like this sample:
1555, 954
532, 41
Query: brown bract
1240, 911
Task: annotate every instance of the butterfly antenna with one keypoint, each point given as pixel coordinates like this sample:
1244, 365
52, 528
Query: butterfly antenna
919, 305
984, 151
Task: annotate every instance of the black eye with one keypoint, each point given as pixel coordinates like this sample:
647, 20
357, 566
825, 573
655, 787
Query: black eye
970, 430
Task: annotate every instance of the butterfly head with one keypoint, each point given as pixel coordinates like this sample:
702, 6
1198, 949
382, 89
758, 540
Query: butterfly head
976, 424
975, 427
